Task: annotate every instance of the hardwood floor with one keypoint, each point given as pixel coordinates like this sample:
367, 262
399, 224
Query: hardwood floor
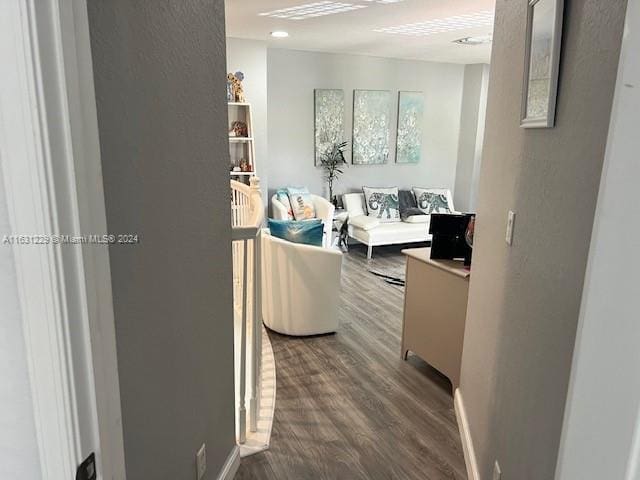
347, 407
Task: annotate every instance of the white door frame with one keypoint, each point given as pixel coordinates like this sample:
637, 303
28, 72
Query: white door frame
49, 153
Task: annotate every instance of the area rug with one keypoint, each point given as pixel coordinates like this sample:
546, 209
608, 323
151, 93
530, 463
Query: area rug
391, 278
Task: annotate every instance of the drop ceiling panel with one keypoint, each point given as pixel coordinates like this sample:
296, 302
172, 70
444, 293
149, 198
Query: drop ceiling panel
409, 29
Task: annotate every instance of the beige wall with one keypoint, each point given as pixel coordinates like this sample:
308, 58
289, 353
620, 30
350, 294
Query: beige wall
159, 68
525, 299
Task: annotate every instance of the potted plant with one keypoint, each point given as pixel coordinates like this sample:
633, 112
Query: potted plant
332, 162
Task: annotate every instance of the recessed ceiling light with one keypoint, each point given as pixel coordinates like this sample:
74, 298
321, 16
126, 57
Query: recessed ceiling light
441, 25
280, 34
310, 10
479, 40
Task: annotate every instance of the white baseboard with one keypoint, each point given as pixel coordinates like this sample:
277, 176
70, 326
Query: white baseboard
465, 435
230, 467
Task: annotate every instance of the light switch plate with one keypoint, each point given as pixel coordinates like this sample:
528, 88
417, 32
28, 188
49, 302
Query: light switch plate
511, 219
497, 473
201, 462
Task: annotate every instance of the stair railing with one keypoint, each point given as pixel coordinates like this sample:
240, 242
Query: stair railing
247, 214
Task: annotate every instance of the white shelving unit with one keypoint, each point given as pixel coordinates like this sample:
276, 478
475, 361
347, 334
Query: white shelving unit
242, 147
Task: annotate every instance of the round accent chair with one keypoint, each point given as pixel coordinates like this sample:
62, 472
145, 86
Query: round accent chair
300, 287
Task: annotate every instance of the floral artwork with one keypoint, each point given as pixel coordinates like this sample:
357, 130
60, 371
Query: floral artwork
410, 114
371, 125
329, 121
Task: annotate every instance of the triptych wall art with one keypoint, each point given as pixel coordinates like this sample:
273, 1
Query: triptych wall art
409, 139
372, 118
329, 120
371, 122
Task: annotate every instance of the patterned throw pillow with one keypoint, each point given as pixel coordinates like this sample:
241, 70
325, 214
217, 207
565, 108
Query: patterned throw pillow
283, 197
301, 203
309, 232
382, 203
433, 200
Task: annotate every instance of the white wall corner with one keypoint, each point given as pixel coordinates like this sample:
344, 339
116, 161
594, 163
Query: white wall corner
465, 436
230, 467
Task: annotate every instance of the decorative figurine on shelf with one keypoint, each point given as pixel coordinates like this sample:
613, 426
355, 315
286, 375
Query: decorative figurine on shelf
244, 165
230, 96
239, 129
234, 87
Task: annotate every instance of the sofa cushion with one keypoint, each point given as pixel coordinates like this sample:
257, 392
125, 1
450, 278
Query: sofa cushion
392, 233
433, 200
301, 203
420, 218
354, 204
309, 232
283, 197
364, 222
382, 203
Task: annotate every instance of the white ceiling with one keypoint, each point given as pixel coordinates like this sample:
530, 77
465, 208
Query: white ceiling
353, 31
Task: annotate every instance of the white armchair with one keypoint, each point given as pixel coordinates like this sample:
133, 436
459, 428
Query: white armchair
324, 211
300, 287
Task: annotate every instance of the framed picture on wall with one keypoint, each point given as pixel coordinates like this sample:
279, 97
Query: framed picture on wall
542, 63
328, 120
409, 135
371, 126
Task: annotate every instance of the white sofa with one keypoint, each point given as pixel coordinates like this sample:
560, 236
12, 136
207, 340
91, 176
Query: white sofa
300, 287
373, 233
324, 211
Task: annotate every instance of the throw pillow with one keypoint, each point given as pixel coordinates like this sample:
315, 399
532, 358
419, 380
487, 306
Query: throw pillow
408, 204
382, 203
308, 232
301, 203
433, 200
283, 197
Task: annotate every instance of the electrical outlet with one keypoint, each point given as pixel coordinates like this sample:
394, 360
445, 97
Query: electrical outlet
201, 462
497, 473
511, 218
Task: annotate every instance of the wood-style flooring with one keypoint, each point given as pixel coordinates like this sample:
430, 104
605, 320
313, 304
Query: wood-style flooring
347, 407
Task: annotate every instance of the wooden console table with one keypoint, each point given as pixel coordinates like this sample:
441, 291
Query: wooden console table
435, 310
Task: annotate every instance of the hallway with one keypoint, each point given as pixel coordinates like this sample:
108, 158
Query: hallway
347, 407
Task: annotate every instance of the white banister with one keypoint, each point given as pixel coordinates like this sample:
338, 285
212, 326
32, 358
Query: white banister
242, 411
247, 213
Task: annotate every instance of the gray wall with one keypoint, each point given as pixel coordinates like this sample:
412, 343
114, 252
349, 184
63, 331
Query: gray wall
159, 69
602, 413
292, 78
524, 300
18, 446
472, 122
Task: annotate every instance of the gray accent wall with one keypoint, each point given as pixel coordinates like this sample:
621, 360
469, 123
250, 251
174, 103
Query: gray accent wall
524, 300
159, 69
293, 76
